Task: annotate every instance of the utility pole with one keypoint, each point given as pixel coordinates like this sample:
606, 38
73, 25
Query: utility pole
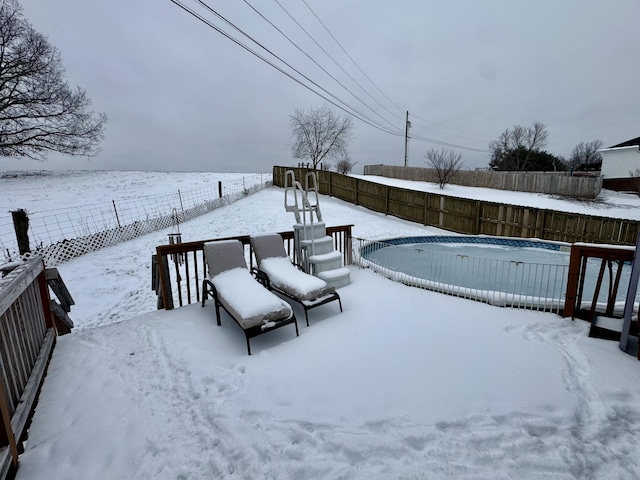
406, 140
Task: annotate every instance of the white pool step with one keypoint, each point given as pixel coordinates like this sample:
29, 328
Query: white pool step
320, 245
339, 277
328, 266
325, 261
309, 231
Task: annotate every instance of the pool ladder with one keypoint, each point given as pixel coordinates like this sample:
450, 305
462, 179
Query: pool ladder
314, 248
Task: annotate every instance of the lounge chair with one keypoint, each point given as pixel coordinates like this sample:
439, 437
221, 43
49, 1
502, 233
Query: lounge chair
233, 288
276, 272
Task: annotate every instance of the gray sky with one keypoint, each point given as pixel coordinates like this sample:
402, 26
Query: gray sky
181, 97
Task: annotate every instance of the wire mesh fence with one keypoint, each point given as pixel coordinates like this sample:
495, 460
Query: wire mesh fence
62, 234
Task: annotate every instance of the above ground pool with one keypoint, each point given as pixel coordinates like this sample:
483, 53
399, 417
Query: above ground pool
498, 270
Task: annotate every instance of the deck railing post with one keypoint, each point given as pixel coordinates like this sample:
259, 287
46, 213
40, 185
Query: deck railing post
7, 437
44, 295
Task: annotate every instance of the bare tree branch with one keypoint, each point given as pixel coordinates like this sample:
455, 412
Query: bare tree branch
344, 164
586, 153
445, 163
39, 112
514, 147
320, 134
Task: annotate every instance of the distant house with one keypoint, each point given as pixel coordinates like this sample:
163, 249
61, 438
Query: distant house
621, 166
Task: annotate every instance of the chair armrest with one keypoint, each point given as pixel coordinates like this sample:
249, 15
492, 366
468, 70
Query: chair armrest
262, 278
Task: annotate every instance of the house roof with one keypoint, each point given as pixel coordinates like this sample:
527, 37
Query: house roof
629, 143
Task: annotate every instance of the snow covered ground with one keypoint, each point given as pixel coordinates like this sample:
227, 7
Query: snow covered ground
404, 383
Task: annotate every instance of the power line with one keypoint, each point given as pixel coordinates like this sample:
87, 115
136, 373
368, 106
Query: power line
335, 103
447, 144
351, 58
316, 63
376, 86
333, 60
359, 115
450, 128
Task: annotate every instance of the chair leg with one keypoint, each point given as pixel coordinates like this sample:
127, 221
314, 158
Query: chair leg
340, 303
218, 311
204, 292
248, 345
305, 316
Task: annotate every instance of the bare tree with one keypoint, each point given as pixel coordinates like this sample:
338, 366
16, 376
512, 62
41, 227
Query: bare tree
586, 153
513, 149
39, 112
320, 135
445, 163
344, 165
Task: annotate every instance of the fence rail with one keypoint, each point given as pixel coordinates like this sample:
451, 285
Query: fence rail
65, 234
27, 338
554, 183
471, 217
178, 269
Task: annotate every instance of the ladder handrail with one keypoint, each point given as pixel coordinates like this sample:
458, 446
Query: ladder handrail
305, 206
291, 207
316, 206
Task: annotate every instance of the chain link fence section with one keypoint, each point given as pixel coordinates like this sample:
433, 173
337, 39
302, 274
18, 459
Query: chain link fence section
60, 235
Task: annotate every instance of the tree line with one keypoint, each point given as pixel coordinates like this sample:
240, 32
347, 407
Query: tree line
522, 148
322, 137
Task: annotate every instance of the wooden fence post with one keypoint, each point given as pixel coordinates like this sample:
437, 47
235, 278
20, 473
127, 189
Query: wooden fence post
386, 200
21, 226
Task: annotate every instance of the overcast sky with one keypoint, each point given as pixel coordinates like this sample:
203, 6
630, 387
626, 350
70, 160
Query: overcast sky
181, 96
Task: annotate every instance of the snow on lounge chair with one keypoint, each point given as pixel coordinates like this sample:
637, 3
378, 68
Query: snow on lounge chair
253, 307
276, 272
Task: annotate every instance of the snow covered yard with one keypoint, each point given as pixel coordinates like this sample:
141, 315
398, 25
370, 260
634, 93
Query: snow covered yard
404, 383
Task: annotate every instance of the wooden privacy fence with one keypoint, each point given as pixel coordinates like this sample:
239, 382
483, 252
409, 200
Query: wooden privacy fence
178, 269
27, 338
471, 217
554, 183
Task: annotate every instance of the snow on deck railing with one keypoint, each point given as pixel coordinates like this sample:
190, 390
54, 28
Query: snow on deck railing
504, 283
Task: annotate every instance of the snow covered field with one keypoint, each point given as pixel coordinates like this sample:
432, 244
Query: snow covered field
404, 383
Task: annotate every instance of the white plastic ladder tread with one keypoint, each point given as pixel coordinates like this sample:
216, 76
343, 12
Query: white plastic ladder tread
328, 275
325, 257
317, 241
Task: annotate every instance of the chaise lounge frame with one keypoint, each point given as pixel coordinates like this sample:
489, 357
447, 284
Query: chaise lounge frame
263, 278
210, 290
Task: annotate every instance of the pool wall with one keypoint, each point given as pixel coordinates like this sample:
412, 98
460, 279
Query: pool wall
545, 285
481, 239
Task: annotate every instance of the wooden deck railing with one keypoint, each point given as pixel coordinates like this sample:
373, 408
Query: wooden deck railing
27, 338
178, 269
611, 259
